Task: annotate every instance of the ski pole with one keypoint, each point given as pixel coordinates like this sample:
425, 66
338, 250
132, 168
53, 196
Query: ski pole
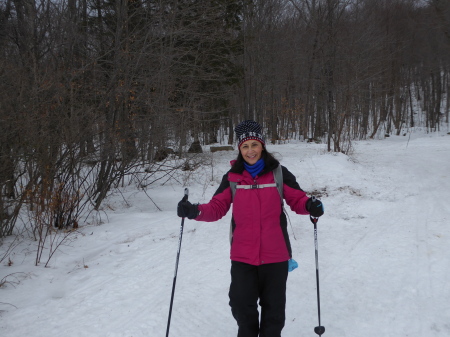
185, 198
318, 329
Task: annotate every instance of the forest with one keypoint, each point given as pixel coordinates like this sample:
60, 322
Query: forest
93, 91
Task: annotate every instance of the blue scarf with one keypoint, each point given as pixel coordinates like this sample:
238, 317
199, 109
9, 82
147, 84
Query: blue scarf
256, 168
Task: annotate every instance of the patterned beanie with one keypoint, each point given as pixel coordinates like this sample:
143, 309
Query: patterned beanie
248, 130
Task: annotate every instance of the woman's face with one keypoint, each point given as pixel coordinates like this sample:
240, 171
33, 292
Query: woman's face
251, 151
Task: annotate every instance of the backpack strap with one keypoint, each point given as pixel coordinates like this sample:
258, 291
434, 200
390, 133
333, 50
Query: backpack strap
278, 176
233, 185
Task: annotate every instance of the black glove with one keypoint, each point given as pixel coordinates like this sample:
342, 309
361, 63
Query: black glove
315, 208
187, 210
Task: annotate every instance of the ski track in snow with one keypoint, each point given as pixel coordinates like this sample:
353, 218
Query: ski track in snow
383, 255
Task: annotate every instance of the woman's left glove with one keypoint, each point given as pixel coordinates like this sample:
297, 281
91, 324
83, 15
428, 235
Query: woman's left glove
314, 207
187, 210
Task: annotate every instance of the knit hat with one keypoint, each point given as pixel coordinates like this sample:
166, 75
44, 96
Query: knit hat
247, 130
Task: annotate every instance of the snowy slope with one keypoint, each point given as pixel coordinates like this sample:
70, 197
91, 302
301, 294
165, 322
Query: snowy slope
383, 250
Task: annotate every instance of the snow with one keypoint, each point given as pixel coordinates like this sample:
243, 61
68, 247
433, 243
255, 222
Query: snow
384, 255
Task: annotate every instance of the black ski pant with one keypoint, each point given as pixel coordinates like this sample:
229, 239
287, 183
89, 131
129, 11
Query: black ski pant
267, 283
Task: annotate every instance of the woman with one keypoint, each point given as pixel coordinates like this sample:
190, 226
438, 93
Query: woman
260, 247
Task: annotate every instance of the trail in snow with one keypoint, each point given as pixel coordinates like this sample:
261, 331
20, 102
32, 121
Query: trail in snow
383, 251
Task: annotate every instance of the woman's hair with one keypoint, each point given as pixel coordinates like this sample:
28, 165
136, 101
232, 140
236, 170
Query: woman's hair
269, 160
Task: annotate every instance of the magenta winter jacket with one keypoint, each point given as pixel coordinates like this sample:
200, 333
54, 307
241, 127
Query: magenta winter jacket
259, 224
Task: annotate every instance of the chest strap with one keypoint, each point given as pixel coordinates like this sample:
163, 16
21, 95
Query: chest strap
251, 187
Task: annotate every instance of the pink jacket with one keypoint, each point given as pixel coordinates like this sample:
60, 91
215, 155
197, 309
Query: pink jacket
259, 224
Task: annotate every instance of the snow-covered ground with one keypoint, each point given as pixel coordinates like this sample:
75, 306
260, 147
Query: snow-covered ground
384, 254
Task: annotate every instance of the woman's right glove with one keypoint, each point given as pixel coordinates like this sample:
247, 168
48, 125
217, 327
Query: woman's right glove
187, 210
314, 207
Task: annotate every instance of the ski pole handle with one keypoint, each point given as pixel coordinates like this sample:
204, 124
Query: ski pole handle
186, 194
313, 218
